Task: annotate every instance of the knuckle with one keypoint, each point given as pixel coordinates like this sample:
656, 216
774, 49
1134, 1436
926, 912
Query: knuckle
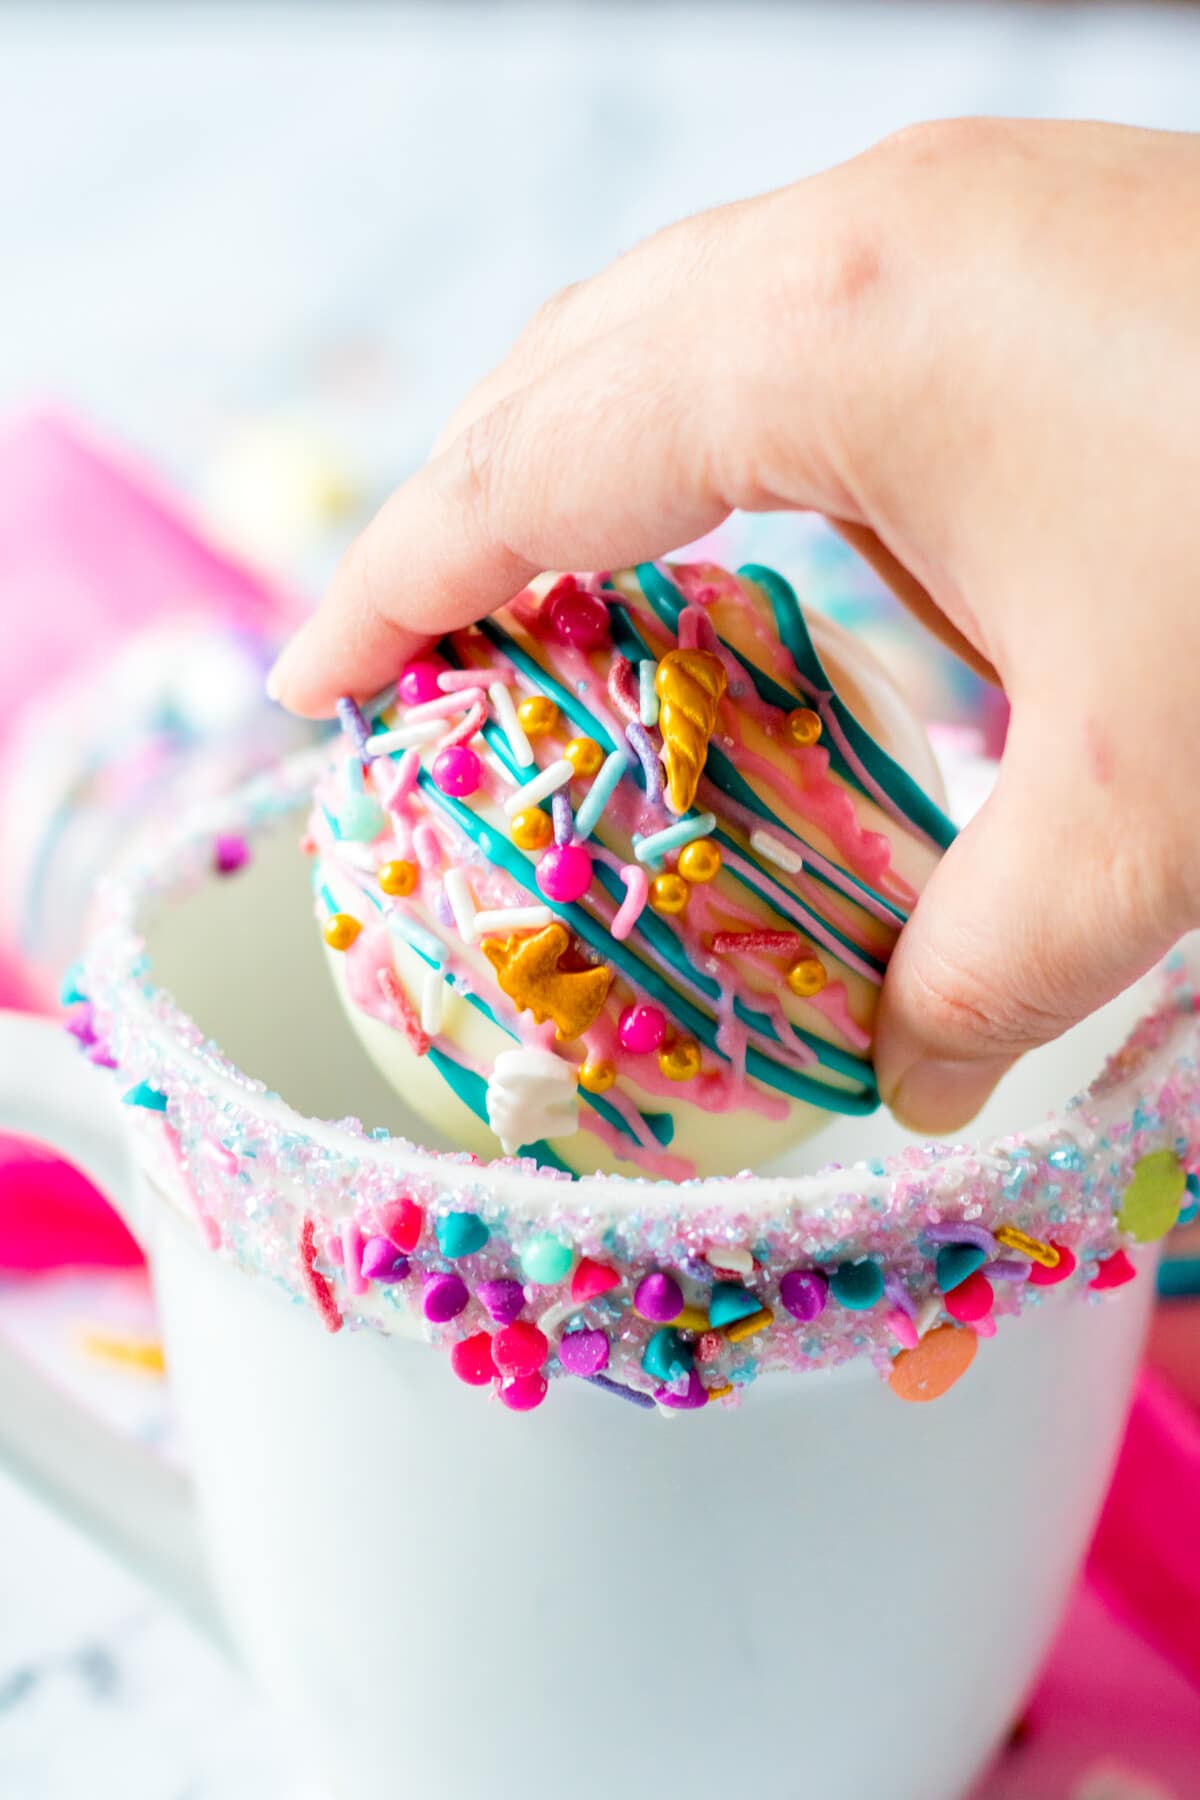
939, 140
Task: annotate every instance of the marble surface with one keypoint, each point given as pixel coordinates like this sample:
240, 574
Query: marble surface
326, 221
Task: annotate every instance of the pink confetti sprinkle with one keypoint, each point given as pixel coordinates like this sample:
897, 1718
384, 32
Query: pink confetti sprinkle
410, 1024
445, 706
352, 1249
466, 729
623, 688
637, 885
318, 1287
407, 770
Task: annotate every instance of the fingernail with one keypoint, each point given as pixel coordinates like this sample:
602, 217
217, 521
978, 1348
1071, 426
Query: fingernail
284, 665
939, 1095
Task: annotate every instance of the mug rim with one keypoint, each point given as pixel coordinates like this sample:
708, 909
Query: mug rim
117, 969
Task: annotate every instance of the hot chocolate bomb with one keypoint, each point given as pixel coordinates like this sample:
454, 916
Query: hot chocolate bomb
613, 878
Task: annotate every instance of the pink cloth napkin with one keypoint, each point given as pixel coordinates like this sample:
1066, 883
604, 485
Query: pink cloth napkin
91, 549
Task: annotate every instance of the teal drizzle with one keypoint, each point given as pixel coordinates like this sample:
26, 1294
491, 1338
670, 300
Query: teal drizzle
642, 974
726, 776
905, 793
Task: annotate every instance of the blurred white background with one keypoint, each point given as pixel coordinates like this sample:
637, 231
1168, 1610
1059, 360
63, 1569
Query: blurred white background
269, 246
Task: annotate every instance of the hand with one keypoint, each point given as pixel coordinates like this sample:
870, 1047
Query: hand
976, 349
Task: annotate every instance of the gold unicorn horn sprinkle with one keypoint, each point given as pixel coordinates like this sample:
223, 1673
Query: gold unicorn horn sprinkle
689, 685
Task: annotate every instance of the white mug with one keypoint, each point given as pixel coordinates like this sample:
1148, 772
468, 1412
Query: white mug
821, 1590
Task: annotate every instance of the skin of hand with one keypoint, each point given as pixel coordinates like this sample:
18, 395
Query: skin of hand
976, 349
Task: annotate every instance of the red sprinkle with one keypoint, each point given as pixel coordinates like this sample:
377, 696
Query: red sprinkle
520, 1349
1041, 1276
315, 1282
971, 1300
402, 1222
709, 1346
591, 1279
729, 943
1113, 1272
410, 1024
471, 1360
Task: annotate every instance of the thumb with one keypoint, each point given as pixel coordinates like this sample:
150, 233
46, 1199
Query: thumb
1049, 904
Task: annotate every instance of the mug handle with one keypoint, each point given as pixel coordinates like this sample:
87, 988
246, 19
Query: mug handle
127, 1500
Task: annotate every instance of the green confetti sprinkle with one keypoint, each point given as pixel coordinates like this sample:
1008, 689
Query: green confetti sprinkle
1153, 1198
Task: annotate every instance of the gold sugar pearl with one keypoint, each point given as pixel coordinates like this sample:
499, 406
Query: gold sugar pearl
668, 894
680, 1061
804, 726
700, 861
584, 755
807, 977
398, 878
597, 1077
531, 828
538, 715
340, 931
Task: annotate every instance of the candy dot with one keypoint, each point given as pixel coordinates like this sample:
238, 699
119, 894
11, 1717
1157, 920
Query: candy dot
669, 894
531, 828
565, 873
584, 1352
971, 1299
398, 878
230, 853
642, 1029
807, 977
591, 1279
584, 755
444, 1297
803, 1292
729, 1302
340, 931
857, 1285
1114, 1271
525, 1393
1041, 1276
681, 1060
538, 715
381, 1261
803, 726
1150, 1206
457, 770
955, 1262
519, 1349
460, 1234
546, 1260
418, 683
695, 1394
471, 1360
403, 1221
700, 861
659, 1297
597, 1077
579, 619
501, 1299
666, 1357
933, 1366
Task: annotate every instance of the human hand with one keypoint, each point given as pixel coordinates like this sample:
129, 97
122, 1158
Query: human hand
977, 350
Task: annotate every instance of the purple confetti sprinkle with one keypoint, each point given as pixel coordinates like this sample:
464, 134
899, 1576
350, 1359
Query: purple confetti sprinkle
355, 725
803, 1292
81, 1028
633, 1395
583, 1352
564, 819
444, 1298
381, 1261
1008, 1268
102, 1058
230, 854
951, 1233
695, 1394
639, 739
899, 1295
502, 1300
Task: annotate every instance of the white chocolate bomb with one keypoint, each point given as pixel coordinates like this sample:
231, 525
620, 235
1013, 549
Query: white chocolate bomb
614, 880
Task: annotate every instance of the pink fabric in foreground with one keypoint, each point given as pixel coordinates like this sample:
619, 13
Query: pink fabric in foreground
91, 549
